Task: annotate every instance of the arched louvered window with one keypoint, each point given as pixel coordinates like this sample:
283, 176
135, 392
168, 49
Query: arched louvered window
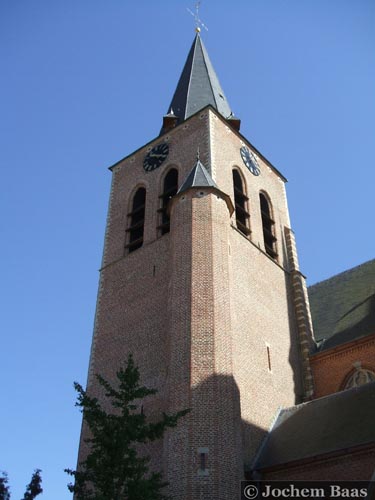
137, 220
170, 187
240, 202
268, 226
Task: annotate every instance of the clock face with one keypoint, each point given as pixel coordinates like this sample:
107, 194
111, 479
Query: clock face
250, 160
155, 157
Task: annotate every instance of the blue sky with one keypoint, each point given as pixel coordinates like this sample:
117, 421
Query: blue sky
86, 82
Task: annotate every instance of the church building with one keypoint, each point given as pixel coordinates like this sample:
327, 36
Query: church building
200, 281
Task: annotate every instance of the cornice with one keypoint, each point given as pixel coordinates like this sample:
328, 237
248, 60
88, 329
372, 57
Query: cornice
343, 349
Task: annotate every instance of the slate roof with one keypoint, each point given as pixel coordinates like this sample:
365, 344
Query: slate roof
332, 423
343, 307
198, 86
198, 177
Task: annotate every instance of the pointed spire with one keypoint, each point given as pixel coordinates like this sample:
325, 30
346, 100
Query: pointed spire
198, 177
198, 86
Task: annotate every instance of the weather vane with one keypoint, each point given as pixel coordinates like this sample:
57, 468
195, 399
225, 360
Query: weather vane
198, 22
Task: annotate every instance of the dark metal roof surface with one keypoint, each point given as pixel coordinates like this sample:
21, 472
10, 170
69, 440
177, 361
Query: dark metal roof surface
332, 423
198, 86
198, 177
343, 307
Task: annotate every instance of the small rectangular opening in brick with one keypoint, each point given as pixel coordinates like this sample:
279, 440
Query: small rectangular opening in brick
269, 358
203, 461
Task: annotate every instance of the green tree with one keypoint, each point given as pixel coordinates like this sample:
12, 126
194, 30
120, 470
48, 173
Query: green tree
4, 488
113, 469
33, 489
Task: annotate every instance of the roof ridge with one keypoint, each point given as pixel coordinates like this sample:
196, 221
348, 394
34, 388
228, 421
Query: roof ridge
347, 271
192, 179
205, 171
191, 74
208, 72
198, 85
355, 306
294, 439
195, 168
337, 394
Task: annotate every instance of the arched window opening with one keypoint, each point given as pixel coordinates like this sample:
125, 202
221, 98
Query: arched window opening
360, 377
137, 220
170, 187
268, 226
240, 200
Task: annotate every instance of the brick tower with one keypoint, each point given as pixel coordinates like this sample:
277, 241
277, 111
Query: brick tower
200, 281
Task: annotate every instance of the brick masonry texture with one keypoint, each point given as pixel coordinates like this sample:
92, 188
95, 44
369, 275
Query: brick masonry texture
261, 305
333, 367
198, 308
303, 316
201, 358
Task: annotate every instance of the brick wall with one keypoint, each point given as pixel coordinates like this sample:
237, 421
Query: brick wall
201, 352
134, 303
332, 366
261, 302
198, 308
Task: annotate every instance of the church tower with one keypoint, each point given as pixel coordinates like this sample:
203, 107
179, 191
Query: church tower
200, 282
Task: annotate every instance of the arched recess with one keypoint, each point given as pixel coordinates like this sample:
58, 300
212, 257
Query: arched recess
169, 189
358, 377
268, 225
136, 220
240, 203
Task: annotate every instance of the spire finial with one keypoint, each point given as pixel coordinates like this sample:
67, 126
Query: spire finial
198, 154
198, 21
